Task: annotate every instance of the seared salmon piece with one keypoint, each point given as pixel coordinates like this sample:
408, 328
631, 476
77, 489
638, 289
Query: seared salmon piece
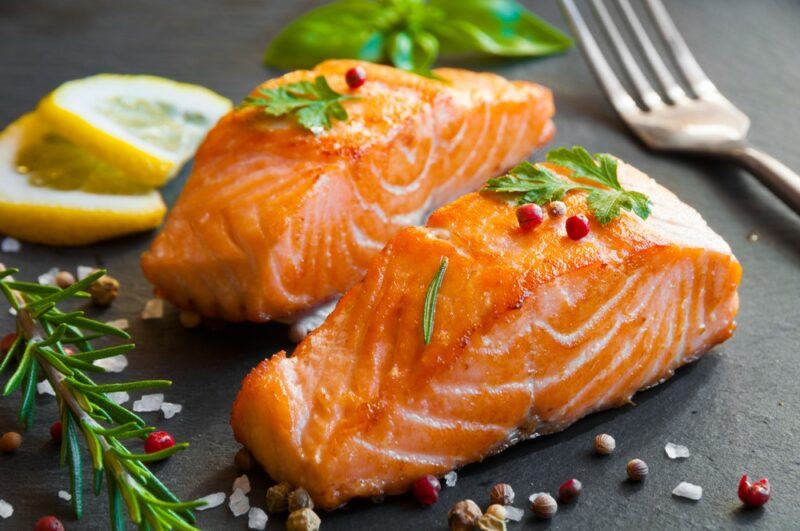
275, 220
532, 332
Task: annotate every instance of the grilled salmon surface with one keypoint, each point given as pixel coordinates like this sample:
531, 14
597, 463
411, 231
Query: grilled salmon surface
532, 332
275, 220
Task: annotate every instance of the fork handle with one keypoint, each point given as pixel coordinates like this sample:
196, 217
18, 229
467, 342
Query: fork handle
775, 175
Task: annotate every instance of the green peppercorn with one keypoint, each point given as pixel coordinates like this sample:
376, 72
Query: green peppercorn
303, 520
278, 498
300, 499
104, 290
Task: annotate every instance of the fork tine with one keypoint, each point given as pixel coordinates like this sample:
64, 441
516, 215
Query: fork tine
649, 96
616, 93
673, 91
697, 79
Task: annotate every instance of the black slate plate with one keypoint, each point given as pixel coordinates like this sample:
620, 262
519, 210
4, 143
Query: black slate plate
736, 409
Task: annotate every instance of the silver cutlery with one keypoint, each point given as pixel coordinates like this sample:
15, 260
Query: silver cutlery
701, 121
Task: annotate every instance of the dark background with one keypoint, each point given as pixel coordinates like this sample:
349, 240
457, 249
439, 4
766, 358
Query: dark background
736, 409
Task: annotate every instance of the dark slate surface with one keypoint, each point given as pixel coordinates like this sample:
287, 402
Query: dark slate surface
736, 409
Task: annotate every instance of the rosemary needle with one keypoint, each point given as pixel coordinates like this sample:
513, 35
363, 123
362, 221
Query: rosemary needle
429, 309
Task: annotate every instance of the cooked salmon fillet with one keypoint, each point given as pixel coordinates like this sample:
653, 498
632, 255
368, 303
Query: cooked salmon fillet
275, 220
532, 332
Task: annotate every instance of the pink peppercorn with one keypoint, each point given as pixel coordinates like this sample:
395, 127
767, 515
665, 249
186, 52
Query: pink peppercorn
529, 216
426, 490
7, 341
754, 494
157, 441
569, 490
48, 523
577, 227
355, 77
55, 431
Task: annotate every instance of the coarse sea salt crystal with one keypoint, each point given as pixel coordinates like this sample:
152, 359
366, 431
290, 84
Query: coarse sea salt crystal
122, 324
149, 403
257, 518
49, 278
84, 271
44, 388
238, 503
153, 309
675, 451
6, 509
118, 397
10, 245
687, 490
514, 514
211, 501
116, 363
450, 478
64, 495
12, 311
170, 410
242, 483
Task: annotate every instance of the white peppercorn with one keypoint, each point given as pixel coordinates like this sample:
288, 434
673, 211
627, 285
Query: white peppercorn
502, 494
463, 515
637, 469
544, 506
604, 444
303, 520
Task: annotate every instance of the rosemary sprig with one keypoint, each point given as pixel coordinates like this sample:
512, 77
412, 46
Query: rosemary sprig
429, 308
86, 411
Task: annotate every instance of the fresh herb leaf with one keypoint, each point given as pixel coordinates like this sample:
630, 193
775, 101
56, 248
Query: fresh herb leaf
410, 33
429, 308
595, 174
313, 104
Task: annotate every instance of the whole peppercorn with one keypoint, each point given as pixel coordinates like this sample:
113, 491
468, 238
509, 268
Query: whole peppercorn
426, 490
48, 523
189, 319
544, 506
577, 227
557, 208
498, 511
355, 77
298, 499
6, 342
502, 494
303, 520
529, 216
157, 441
489, 522
278, 498
55, 431
463, 515
10, 442
243, 460
569, 490
754, 494
104, 290
604, 444
637, 469
64, 279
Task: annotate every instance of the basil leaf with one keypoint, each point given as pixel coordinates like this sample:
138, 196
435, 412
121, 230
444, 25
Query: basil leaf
401, 50
343, 29
496, 27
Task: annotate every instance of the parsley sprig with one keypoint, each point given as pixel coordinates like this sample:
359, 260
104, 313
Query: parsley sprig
595, 174
314, 104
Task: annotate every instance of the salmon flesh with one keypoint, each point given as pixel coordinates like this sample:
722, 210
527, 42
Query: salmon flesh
532, 331
275, 220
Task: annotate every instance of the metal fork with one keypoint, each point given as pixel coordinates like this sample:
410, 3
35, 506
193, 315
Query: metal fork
702, 121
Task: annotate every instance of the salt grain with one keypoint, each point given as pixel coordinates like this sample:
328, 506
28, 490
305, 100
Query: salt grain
170, 410
118, 397
242, 483
675, 451
257, 519
85, 271
153, 309
514, 514
450, 478
10, 245
49, 278
64, 495
116, 363
6, 509
44, 388
12, 311
122, 324
238, 503
689, 491
211, 501
149, 403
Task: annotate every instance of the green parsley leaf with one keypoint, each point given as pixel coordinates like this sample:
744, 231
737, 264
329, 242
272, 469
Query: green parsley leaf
597, 174
313, 104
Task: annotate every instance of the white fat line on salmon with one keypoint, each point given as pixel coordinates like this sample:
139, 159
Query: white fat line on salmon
489, 158
672, 350
428, 459
481, 389
299, 411
303, 323
444, 424
215, 267
473, 153
277, 282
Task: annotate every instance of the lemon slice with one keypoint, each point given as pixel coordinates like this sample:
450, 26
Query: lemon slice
53, 192
145, 125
